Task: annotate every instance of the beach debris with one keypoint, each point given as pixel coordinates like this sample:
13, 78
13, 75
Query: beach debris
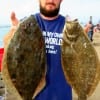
80, 61
24, 61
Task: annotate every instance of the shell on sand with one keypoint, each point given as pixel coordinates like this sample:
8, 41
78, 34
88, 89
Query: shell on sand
80, 62
24, 61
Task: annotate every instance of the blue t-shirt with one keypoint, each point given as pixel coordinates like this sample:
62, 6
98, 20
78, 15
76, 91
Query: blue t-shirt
56, 86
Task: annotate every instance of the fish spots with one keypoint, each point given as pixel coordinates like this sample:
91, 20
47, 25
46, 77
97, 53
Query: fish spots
85, 45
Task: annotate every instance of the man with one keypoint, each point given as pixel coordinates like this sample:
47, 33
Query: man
51, 24
89, 30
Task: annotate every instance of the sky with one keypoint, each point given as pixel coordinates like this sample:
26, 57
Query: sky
81, 9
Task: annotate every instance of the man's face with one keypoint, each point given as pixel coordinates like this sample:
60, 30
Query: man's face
50, 8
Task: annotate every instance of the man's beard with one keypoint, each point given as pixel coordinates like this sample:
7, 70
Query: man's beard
52, 13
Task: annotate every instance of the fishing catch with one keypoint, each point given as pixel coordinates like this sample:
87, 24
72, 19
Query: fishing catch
24, 61
80, 61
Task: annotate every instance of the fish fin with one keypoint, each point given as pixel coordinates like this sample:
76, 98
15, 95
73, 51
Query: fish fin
7, 80
40, 87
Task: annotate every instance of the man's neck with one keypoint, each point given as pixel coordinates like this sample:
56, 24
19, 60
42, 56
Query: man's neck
48, 18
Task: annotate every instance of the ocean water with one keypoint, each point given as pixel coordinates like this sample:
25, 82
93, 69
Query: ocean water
3, 31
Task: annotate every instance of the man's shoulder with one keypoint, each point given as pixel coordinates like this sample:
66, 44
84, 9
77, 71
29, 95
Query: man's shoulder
37, 15
62, 16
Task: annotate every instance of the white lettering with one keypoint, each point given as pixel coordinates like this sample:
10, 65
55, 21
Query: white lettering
51, 40
55, 41
52, 51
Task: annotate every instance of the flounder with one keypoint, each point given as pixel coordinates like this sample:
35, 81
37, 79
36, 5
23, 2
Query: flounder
80, 61
24, 61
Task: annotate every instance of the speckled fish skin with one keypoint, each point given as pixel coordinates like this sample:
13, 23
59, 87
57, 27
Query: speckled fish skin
79, 60
24, 62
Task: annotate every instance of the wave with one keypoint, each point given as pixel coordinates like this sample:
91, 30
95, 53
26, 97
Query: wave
5, 26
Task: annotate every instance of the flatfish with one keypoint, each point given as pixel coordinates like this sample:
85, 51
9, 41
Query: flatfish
24, 61
80, 61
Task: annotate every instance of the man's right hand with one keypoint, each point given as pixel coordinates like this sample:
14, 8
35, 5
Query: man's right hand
9, 35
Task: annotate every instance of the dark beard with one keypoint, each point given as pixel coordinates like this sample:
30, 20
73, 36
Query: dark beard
52, 13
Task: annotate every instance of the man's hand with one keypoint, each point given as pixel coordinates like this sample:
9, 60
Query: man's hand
14, 25
14, 20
